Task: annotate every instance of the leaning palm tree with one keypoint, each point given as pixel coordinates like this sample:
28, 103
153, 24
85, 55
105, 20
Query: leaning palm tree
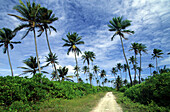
118, 25
72, 41
28, 14
150, 66
134, 47
45, 17
141, 48
157, 54
85, 69
6, 35
32, 66
119, 67
52, 59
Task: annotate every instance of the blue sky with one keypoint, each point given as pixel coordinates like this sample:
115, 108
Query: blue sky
89, 18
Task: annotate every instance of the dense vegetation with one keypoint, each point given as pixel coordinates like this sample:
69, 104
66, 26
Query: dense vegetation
27, 91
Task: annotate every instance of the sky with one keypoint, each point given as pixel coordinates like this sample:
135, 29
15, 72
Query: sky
89, 18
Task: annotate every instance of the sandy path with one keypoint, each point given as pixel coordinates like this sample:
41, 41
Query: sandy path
108, 104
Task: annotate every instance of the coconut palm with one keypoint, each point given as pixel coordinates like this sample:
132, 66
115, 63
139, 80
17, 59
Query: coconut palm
157, 54
85, 69
114, 71
52, 59
53, 75
28, 14
139, 70
141, 48
118, 83
125, 70
132, 61
118, 26
72, 41
150, 66
6, 35
119, 67
63, 73
32, 66
90, 78
134, 47
76, 68
46, 17
105, 80
95, 71
102, 74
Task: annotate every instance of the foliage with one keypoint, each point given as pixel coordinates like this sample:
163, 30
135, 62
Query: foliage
154, 89
39, 88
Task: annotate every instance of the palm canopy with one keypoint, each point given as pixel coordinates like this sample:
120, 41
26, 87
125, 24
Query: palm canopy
150, 66
119, 66
142, 48
85, 69
96, 69
29, 14
157, 53
125, 67
134, 46
88, 56
132, 60
32, 66
72, 41
119, 25
63, 72
46, 17
51, 59
114, 71
103, 74
6, 35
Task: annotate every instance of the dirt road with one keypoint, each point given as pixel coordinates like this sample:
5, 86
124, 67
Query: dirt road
108, 104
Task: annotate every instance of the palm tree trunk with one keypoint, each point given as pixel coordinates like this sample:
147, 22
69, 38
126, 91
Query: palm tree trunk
77, 66
56, 72
36, 51
89, 71
126, 61
156, 65
135, 68
150, 70
10, 62
48, 41
140, 68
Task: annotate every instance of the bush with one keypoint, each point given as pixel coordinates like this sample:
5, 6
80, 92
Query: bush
154, 89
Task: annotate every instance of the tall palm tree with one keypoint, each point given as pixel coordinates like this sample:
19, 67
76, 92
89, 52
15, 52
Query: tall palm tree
28, 14
6, 35
118, 83
119, 67
32, 66
134, 47
85, 69
118, 26
46, 17
76, 68
157, 54
125, 70
139, 70
63, 73
114, 71
72, 41
132, 61
102, 74
150, 66
90, 78
141, 48
95, 71
52, 59
105, 80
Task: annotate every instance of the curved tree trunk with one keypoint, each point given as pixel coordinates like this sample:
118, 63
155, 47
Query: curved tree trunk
77, 67
48, 41
10, 62
126, 61
36, 51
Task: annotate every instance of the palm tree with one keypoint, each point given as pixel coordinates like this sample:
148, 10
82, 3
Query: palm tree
132, 61
6, 35
125, 70
72, 41
102, 74
53, 75
119, 67
95, 71
118, 25
141, 48
134, 47
114, 71
32, 66
85, 69
157, 54
63, 73
90, 78
118, 83
139, 70
150, 66
52, 59
46, 17
76, 68
105, 80
29, 14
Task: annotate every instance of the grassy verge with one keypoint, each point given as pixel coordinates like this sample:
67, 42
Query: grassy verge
130, 106
83, 104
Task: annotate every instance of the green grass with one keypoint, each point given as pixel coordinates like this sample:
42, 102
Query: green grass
131, 106
83, 104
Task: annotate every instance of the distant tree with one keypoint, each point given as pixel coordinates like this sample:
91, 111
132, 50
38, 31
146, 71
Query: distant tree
72, 41
114, 71
32, 66
6, 36
90, 78
85, 70
119, 67
118, 26
132, 61
95, 71
139, 70
63, 73
125, 70
150, 66
125, 82
164, 70
157, 54
102, 74
118, 83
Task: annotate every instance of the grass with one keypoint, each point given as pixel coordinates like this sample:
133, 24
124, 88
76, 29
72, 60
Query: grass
83, 104
130, 106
